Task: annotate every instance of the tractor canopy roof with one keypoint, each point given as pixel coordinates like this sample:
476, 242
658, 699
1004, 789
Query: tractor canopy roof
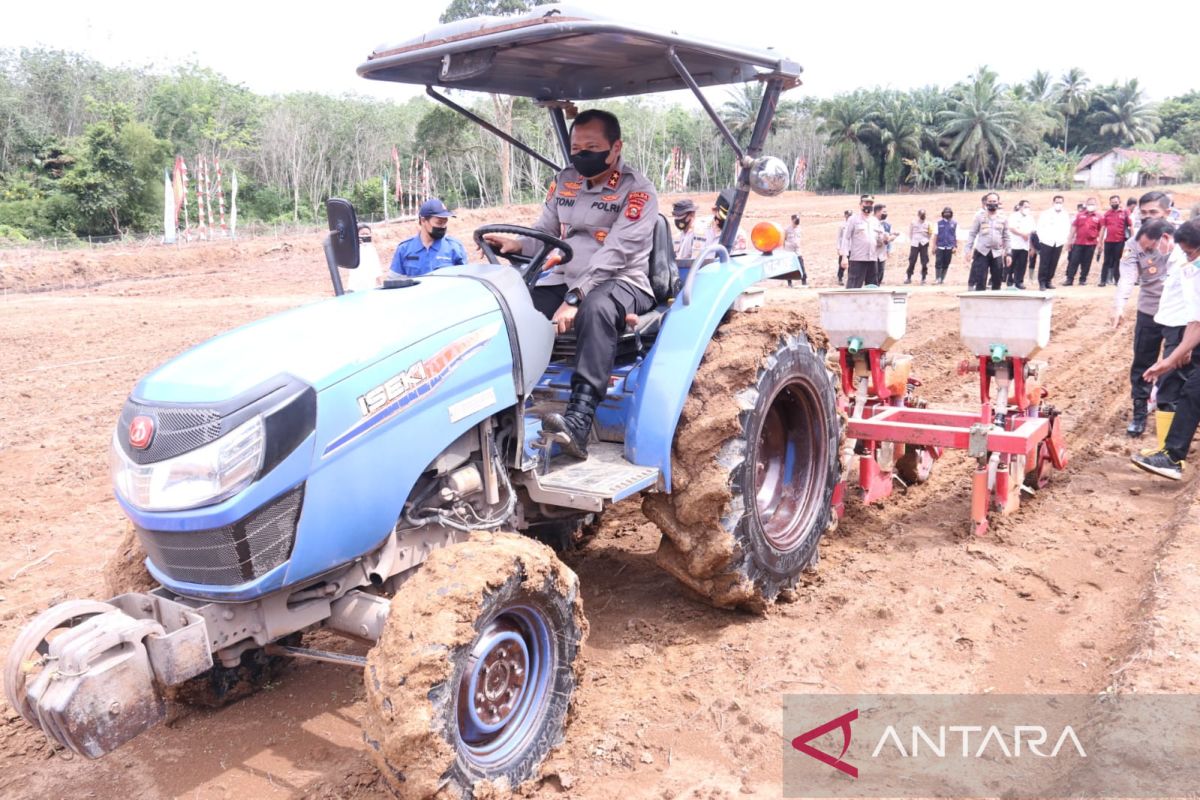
562, 53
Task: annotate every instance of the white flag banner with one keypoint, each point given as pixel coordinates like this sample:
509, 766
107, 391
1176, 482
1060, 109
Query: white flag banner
168, 209
233, 206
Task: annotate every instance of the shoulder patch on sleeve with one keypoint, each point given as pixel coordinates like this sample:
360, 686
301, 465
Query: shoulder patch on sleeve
550, 191
634, 204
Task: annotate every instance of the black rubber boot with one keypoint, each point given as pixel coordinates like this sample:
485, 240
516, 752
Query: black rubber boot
576, 421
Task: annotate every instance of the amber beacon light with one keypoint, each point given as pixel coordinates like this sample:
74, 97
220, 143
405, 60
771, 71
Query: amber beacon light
766, 236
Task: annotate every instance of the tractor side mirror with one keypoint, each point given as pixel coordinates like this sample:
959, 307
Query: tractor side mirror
341, 245
343, 232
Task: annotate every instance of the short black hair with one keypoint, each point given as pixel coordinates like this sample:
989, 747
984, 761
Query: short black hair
846, 213
1154, 229
880, 206
1161, 198
989, 194
1131, 202
1188, 233
612, 127
1058, 197
1116, 197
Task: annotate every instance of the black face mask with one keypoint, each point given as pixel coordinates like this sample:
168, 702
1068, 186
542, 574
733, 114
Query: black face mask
682, 224
993, 207
1114, 206
437, 233
590, 163
883, 215
868, 209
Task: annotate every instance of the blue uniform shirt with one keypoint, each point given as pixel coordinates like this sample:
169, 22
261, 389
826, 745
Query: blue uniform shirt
413, 258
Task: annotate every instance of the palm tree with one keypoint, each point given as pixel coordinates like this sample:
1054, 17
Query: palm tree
897, 132
844, 123
1039, 87
740, 111
1125, 115
978, 126
1071, 97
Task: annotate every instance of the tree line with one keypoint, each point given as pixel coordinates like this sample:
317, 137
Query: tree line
83, 146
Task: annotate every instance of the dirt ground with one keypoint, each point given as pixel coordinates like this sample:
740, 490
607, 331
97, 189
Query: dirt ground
1088, 587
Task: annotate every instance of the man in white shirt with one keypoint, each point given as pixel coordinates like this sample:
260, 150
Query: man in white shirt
1168, 461
1053, 228
1152, 261
1020, 228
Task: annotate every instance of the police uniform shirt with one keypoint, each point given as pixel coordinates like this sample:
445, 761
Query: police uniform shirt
688, 244
862, 237
413, 258
610, 227
989, 235
1150, 268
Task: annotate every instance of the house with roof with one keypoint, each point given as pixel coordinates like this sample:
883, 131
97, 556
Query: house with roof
1104, 170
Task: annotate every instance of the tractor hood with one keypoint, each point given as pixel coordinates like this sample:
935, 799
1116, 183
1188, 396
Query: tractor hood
320, 344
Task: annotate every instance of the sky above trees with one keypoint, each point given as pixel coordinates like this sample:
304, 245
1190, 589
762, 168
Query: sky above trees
274, 47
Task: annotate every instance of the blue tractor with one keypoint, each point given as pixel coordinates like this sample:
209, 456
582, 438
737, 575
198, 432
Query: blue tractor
373, 464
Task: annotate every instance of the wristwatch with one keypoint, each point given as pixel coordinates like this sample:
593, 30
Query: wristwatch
572, 297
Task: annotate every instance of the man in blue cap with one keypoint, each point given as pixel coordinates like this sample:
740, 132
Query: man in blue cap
431, 248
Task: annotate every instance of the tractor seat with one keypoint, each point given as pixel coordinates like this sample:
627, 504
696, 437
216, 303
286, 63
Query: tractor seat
664, 281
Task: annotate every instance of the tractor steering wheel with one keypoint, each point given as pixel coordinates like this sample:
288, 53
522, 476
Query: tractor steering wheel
531, 267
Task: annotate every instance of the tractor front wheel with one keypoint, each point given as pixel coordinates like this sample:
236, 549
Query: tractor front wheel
471, 681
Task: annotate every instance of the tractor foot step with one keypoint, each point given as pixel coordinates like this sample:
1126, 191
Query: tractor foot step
605, 476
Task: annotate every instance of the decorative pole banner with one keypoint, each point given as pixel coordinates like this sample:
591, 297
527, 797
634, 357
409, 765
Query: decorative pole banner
396, 162
199, 162
220, 196
385, 208
233, 206
168, 209
183, 185
177, 190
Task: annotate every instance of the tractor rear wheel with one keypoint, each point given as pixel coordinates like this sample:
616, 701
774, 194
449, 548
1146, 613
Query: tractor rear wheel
471, 682
754, 463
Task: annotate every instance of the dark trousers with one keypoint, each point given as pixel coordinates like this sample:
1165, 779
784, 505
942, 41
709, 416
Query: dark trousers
841, 268
879, 265
1149, 340
1049, 256
1016, 272
1111, 270
1187, 413
984, 265
941, 264
860, 273
919, 251
598, 325
1080, 259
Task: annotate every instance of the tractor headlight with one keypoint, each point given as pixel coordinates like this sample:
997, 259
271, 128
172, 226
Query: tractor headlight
199, 477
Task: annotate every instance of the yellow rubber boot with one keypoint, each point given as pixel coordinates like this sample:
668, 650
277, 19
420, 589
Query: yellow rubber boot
1162, 425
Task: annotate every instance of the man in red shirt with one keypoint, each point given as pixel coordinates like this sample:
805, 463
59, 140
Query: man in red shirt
1116, 222
1081, 242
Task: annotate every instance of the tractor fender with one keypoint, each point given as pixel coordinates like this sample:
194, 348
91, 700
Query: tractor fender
660, 384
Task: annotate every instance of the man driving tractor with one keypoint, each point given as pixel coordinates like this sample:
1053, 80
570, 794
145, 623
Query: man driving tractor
606, 211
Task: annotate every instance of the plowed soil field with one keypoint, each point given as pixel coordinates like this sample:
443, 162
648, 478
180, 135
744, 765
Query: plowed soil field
1087, 587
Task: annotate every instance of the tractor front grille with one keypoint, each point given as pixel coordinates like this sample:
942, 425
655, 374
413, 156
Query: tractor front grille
179, 430
233, 554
